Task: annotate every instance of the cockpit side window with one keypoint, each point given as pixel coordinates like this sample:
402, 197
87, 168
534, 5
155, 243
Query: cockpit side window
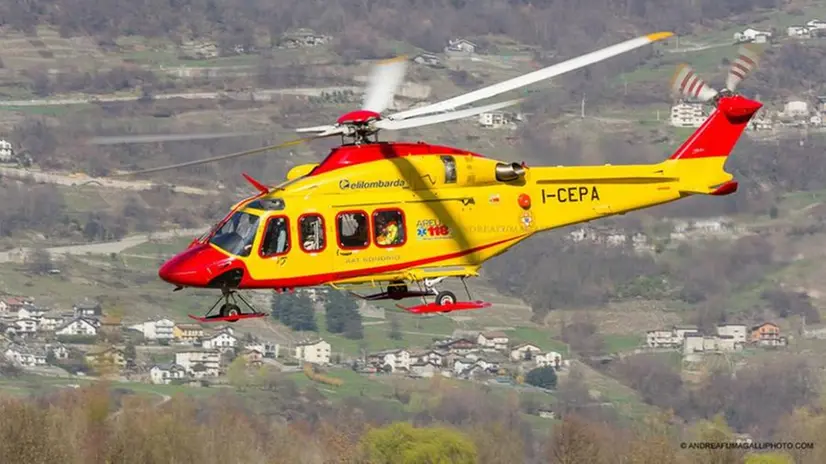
236, 235
450, 169
276, 240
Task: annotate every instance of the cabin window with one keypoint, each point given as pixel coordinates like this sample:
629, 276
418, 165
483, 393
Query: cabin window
450, 169
388, 228
353, 229
311, 230
267, 204
235, 235
276, 237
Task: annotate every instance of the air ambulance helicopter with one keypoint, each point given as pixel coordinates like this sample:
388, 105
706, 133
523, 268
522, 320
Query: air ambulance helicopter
403, 217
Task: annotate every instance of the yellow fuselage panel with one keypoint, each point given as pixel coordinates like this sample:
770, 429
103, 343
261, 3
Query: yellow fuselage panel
448, 219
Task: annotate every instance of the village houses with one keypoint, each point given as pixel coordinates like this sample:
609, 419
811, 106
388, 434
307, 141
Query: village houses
187, 333
80, 326
524, 352
88, 308
316, 352
390, 360
223, 340
159, 330
166, 373
110, 356
199, 363
766, 334
493, 340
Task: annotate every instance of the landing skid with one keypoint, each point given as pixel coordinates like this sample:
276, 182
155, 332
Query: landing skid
445, 308
392, 295
445, 301
230, 311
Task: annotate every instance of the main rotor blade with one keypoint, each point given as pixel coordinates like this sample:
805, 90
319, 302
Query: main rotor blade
150, 138
385, 78
745, 64
221, 158
389, 124
536, 76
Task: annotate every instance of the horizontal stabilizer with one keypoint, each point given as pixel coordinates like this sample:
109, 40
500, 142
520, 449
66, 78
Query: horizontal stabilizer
726, 188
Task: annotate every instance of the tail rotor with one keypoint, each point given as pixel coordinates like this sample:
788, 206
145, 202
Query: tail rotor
686, 84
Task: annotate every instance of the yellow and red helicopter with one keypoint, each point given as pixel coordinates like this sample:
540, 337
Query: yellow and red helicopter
403, 216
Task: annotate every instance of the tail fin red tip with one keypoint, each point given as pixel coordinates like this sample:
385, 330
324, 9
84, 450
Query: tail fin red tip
720, 132
738, 107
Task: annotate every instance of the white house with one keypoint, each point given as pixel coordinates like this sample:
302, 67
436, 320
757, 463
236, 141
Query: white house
222, 340
24, 356
30, 312
165, 373
463, 364
426, 356
199, 363
58, 350
79, 326
6, 151
686, 114
159, 330
49, 322
802, 32
524, 352
796, 108
661, 338
752, 35
88, 308
495, 340
425, 369
460, 45
25, 326
816, 24
396, 359
736, 331
551, 358
316, 352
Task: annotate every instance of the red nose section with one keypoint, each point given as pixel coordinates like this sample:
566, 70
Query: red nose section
195, 267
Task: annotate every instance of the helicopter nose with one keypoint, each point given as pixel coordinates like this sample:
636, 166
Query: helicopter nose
195, 267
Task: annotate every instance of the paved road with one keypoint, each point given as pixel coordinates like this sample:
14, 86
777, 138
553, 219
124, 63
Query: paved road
81, 179
105, 248
255, 95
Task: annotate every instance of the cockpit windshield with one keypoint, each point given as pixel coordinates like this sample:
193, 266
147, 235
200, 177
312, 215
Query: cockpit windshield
235, 236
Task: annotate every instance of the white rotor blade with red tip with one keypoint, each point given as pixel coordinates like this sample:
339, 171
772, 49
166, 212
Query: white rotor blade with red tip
533, 77
744, 65
687, 84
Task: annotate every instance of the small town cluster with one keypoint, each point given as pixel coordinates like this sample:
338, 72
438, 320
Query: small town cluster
728, 338
467, 355
86, 340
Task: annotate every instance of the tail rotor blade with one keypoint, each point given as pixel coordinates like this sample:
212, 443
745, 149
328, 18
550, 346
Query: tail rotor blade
383, 83
687, 84
746, 62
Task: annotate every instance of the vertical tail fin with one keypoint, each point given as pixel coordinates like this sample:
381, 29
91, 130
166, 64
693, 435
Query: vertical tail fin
721, 131
699, 161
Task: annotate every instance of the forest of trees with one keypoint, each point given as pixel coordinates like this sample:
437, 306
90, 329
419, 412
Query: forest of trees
439, 421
